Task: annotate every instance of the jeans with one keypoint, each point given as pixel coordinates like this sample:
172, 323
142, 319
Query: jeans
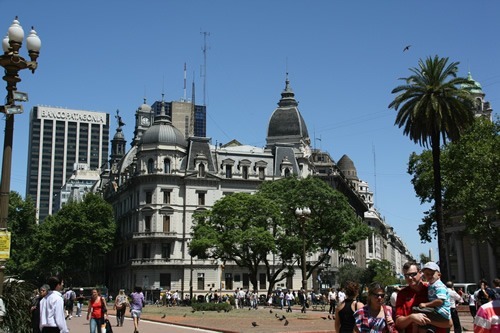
95, 325
79, 309
457, 328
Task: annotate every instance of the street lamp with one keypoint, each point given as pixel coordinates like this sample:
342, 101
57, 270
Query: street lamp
302, 214
12, 62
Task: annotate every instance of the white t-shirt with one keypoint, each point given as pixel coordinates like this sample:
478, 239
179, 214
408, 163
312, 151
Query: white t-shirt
341, 296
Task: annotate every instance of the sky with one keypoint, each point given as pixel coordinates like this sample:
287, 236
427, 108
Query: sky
343, 58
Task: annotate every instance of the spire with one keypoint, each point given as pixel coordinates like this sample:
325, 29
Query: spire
287, 96
163, 117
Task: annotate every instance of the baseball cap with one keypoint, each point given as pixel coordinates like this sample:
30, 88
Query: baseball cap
432, 266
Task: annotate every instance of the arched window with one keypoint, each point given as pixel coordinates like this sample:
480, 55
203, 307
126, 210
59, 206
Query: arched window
151, 165
166, 165
201, 170
287, 172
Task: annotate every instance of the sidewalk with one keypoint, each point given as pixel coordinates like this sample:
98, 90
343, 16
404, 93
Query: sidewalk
241, 320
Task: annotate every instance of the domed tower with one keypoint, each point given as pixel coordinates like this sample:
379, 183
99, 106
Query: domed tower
286, 125
118, 143
143, 120
481, 108
346, 165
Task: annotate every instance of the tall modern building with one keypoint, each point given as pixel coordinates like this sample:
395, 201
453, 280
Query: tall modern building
59, 138
189, 118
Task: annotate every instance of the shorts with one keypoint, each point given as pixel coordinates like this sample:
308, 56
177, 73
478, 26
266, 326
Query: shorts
431, 313
135, 313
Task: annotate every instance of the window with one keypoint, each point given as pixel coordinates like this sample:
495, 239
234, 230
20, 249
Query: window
166, 165
165, 280
229, 171
201, 281
262, 281
166, 223
262, 173
166, 196
149, 197
201, 170
244, 172
229, 281
147, 224
146, 250
151, 166
287, 172
165, 251
201, 199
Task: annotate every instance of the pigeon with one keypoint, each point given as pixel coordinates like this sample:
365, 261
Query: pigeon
270, 311
282, 318
249, 308
193, 311
324, 318
254, 324
185, 315
407, 48
286, 322
276, 315
164, 315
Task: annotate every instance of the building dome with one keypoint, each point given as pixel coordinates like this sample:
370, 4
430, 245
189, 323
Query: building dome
163, 132
346, 165
475, 87
119, 135
144, 107
286, 124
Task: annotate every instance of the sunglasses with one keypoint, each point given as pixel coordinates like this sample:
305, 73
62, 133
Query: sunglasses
411, 275
379, 295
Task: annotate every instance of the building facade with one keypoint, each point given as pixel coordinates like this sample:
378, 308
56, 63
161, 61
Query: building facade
165, 177
59, 138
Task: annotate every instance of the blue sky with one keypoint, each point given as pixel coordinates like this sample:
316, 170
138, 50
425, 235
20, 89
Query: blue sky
343, 60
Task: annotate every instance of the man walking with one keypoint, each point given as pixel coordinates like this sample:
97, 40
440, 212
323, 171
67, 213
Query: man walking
455, 299
52, 309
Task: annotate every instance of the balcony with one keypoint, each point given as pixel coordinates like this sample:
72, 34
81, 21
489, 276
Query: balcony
156, 261
154, 234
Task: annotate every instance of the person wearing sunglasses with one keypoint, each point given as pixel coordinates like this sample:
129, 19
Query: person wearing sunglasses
411, 296
375, 316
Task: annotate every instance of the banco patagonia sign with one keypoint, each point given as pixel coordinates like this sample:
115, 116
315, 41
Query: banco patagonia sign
72, 115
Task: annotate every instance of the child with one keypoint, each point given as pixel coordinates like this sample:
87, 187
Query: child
438, 307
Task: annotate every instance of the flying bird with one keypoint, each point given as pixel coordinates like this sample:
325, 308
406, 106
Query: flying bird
254, 324
286, 322
407, 48
164, 315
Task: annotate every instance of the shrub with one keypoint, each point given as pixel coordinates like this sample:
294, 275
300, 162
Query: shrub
17, 296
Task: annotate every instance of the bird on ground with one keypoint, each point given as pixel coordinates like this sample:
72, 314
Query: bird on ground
286, 322
254, 324
270, 311
276, 315
407, 48
193, 311
185, 315
324, 318
164, 315
249, 308
282, 318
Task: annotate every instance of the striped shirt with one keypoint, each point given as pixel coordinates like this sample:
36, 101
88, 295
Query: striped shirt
487, 318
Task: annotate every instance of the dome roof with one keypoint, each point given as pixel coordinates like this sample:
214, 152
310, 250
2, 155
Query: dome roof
163, 132
346, 165
475, 87
119, 135
286, 121
144, 107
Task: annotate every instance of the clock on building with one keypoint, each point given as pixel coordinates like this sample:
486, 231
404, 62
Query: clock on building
144, 121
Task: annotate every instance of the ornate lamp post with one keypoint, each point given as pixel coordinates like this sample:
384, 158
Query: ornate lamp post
302, 214
12, 62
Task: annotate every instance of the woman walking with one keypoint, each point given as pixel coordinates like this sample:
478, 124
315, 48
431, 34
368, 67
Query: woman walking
121, 306
375, 316
136, 305
97, 311
344, 314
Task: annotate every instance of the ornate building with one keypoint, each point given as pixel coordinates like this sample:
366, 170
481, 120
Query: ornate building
157, 186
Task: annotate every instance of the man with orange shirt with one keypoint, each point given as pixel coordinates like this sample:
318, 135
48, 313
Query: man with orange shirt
412, 295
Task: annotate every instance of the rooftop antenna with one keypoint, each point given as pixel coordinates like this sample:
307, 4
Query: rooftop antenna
185, 97
204, 70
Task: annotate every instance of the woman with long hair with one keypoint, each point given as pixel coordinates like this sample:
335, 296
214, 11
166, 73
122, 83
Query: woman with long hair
375, 316
121, 302
97, 311
344, 314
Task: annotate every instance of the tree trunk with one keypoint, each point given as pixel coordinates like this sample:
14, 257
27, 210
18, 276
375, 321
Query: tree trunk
438, 202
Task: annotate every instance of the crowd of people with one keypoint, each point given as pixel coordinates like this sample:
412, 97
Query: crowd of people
424, 305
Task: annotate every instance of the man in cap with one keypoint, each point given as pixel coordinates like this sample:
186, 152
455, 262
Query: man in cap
79, 302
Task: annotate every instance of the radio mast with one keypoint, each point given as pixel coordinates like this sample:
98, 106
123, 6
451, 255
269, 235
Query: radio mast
204, 70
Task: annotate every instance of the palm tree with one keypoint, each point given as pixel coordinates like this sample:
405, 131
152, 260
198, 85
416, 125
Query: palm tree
434, 103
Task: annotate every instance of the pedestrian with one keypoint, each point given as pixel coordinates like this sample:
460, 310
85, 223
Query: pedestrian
97, 312
437, 308
69, 299
332, 298
484, 294
35, 308
136, 305
472, 305
344, 313
120, 305
289, 299
302, 300
411, 296
80, 298
455, 299
52, 308
487, 318
375, 316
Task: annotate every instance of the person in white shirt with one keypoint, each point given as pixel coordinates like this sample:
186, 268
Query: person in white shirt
332, 298
340, 295
454, 300
52, 309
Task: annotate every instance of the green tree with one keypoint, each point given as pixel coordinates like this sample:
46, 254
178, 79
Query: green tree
432, 104
350, 272
75, 241
424, 258
332, 224
380, 271
22, 224
238, 228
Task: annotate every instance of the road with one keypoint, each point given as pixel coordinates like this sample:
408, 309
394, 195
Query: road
81, 325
